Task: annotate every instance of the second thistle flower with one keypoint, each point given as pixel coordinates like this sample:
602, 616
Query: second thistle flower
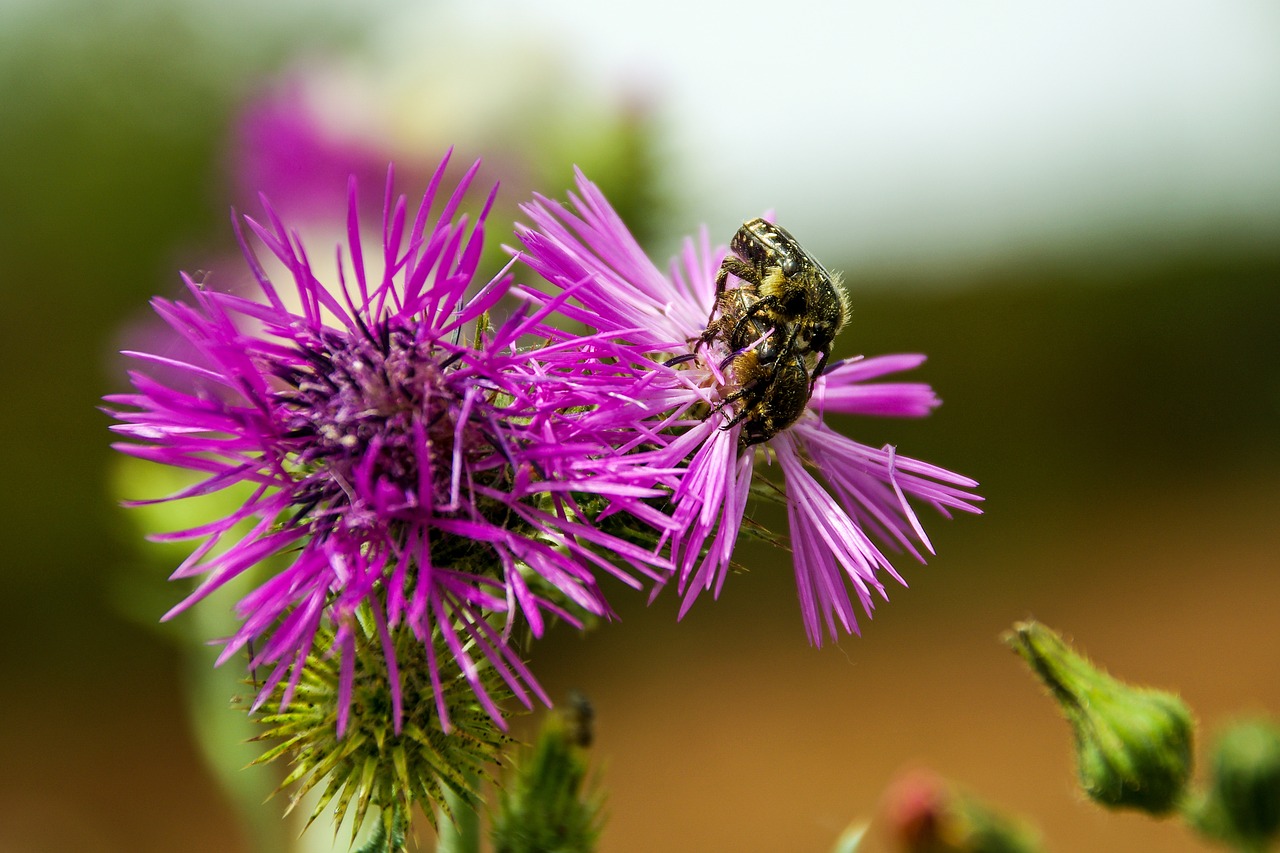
608, 283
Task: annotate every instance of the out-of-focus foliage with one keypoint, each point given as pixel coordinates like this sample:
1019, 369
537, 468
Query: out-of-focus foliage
111, 127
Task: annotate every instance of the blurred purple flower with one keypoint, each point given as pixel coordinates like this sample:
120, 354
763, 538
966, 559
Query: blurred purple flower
284, 150
401, 455
587, 251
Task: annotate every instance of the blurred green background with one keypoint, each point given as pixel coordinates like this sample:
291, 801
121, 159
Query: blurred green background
1114, 385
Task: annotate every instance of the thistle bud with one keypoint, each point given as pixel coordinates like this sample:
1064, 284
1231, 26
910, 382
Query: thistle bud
1242, 806
1133, 745
925, 814
547, 802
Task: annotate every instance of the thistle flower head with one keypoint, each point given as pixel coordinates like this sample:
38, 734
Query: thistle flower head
401, 454
841, 496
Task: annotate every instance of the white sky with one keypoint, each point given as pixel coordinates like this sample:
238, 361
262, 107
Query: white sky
911, 131
897, 130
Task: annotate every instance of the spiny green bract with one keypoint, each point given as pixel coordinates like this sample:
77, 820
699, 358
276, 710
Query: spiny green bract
370, 764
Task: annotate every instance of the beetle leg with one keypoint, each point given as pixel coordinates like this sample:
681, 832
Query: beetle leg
818, 369
756, 307
738, 267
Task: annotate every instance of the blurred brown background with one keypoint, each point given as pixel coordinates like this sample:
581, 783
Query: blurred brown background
1117, 394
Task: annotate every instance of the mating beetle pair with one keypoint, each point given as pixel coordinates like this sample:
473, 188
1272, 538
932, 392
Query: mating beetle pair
786, 309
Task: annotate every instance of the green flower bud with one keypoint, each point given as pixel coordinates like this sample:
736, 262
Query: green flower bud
925, 814
546, 803
1133, 745
1242, 806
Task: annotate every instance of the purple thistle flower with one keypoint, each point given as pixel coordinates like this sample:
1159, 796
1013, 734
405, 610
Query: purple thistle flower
586, 250
402, 456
